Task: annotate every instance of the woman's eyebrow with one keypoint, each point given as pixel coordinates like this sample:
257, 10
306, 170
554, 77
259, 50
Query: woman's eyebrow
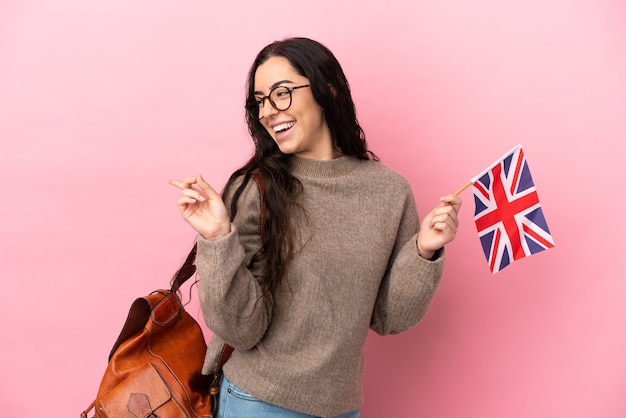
276, 84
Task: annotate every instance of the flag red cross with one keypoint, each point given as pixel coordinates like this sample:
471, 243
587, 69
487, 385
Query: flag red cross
506, 210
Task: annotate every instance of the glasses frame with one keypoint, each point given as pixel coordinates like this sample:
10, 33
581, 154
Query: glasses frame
259, 102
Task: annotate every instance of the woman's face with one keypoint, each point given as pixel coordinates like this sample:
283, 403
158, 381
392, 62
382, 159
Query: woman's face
300, 130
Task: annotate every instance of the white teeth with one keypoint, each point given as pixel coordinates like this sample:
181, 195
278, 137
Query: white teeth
283, 126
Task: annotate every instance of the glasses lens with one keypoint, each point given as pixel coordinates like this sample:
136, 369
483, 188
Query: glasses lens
281, 98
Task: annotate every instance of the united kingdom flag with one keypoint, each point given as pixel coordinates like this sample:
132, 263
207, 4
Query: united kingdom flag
508, 216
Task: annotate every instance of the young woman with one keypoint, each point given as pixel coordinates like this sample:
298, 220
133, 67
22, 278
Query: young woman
342, 249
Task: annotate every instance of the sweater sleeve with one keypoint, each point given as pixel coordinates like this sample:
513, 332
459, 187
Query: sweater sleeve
409, 283
231, 297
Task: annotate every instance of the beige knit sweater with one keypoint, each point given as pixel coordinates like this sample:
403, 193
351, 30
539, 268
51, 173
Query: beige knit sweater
357, 268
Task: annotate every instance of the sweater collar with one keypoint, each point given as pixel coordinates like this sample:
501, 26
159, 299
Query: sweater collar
324, 168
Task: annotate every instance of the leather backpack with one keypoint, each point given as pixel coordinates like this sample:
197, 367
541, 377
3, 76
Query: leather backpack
155, 365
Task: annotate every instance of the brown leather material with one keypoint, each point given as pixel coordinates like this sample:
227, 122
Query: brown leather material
139, 405
157, 371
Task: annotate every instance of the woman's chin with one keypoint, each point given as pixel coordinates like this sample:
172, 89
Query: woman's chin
285, 148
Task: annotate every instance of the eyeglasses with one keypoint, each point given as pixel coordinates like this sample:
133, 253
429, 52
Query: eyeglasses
279, 97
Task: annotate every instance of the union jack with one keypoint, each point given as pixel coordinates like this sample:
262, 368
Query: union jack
508, 216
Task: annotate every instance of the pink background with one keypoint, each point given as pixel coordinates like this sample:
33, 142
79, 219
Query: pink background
102, 102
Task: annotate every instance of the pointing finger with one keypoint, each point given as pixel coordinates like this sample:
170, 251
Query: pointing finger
183, 184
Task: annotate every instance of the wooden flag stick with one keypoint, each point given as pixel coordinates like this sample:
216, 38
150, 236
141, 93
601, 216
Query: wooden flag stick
469, 183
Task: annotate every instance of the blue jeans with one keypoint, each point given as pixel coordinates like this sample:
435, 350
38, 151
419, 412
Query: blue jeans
236, 403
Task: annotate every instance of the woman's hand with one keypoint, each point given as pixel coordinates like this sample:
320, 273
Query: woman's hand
439, 226
202, 207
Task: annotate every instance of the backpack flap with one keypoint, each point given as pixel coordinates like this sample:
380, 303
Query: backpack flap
143, 393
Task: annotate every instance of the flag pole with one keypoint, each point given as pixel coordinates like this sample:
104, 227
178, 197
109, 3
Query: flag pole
469, 183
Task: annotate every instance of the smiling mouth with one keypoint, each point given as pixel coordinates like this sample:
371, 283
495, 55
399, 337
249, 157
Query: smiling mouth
283, 127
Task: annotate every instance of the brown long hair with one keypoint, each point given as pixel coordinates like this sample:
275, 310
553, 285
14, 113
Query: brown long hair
318, 64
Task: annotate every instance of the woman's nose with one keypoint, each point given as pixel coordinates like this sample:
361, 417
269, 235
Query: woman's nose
267, 109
